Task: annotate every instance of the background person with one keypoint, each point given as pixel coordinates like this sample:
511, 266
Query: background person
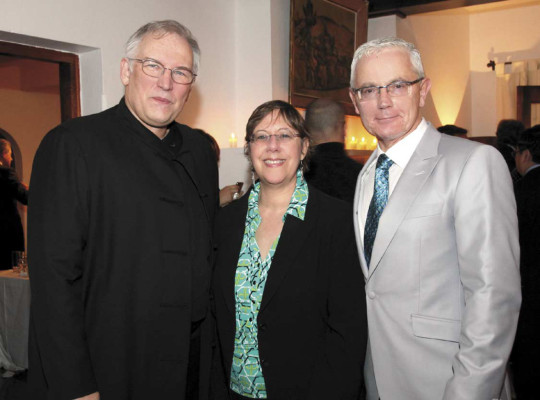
290, 311
508, 131
11, 192
120, 218
526, 352
435, 222
330, 169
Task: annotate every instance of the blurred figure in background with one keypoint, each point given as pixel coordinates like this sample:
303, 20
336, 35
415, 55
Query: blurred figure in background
330, 169
508, 131
526, 352
11, 192
453, 130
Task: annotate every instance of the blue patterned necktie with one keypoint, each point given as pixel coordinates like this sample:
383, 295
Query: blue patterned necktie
377, 204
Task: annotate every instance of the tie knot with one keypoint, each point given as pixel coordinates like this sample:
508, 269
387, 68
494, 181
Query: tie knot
383, 162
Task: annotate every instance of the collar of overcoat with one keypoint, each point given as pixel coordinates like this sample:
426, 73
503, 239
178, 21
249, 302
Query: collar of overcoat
185, 156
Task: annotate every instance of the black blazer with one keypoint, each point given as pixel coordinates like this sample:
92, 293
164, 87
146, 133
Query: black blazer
312, 320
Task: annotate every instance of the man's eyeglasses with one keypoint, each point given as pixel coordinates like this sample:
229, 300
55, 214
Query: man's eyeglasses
260, 138
394, 89
155, 69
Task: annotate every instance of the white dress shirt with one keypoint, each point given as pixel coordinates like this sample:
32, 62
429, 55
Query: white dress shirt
400, 153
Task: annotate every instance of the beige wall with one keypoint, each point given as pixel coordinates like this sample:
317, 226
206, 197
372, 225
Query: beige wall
26, 116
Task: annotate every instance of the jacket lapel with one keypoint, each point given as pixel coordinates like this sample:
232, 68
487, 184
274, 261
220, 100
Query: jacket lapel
413, 178
291, 245
359, 195
230, 244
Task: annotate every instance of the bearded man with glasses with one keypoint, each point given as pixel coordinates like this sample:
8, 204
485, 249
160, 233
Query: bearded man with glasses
120, 238
436, 229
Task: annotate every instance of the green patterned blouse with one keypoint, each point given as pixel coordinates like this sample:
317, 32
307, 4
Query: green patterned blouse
251, 273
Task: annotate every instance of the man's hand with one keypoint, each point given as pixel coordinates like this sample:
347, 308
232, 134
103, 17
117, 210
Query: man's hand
93, 396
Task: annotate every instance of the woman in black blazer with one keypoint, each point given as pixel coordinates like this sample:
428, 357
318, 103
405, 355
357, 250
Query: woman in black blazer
288, 289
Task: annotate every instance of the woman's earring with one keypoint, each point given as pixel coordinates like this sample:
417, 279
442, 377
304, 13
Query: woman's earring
302, 169
253, 177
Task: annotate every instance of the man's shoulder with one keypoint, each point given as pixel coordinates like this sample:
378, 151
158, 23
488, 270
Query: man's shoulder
88, 124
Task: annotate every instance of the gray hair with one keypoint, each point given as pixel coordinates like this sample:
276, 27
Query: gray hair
377, 45
161, 28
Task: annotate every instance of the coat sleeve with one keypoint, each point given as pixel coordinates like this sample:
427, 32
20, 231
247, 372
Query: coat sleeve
57, 226
339, 374
17, 190
488, 257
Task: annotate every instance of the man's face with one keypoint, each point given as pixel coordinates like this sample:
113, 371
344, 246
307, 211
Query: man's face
6, 158
389, 119
156, 102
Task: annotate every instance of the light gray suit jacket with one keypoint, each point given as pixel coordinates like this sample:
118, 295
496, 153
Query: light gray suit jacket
443, 288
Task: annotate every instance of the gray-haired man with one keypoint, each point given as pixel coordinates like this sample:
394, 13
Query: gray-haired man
122, 204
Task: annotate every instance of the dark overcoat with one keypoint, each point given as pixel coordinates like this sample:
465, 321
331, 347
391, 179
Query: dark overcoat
111, 265
312, 327
526, 351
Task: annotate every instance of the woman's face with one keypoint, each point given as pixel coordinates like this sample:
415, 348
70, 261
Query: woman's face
276, 161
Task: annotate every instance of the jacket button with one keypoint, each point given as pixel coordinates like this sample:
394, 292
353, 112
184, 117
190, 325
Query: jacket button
371, 294
262, 327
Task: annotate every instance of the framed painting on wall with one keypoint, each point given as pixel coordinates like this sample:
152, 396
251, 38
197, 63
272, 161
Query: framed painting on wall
323, 37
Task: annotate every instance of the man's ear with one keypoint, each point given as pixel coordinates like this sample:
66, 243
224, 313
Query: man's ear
527, 156
425, 85
353, 99
125, 71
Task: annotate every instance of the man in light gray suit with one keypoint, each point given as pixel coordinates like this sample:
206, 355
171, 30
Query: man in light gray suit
436, 227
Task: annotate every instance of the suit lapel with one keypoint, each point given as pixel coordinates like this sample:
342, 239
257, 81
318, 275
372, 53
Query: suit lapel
359, 195
413, 178
291, 245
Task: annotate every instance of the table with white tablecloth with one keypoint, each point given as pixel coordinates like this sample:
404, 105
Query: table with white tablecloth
14, 320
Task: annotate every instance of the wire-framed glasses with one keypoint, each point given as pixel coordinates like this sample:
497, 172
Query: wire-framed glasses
155, 69
263, 137
394, 89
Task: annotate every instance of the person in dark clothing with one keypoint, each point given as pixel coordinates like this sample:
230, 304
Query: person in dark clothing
453, 130
120, 217
508, 131
11, 192
526, 352
330, 169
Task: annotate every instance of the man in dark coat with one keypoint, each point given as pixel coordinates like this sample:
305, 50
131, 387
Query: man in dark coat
120, 217
11, 192
330, 169
526, 350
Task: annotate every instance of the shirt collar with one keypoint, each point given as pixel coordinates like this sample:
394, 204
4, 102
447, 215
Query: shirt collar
402, 151
297, 205
531, 168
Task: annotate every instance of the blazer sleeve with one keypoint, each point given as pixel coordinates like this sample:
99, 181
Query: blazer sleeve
488, 256
338, 374
58, 226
